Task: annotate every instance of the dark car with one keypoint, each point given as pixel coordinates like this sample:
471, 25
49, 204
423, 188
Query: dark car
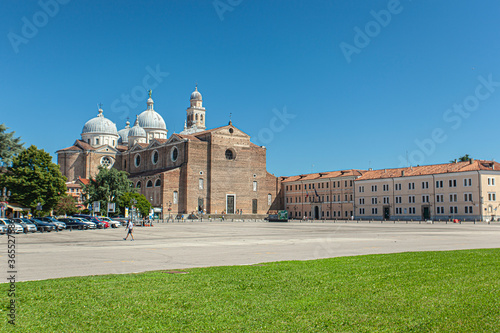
90, 224
74, 223
43, 226
59, 224
100, 224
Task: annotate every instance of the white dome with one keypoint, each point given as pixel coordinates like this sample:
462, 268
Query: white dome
100, 124
196, 94
137, 130
123, 133
151, 119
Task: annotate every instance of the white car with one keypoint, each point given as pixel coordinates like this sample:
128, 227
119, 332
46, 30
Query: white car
18, 228
112, 223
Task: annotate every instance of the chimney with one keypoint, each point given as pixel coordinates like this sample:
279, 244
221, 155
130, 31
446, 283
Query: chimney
370, 169
455, 161
385, 170
402, 173
471, 161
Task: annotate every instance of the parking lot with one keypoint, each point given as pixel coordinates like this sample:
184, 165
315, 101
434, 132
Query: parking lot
199, 244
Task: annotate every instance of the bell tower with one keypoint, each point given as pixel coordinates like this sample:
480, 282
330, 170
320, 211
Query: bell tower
195, 120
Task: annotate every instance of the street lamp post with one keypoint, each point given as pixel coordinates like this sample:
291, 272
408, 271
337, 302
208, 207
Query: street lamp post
134, 210
5, 197
169, 209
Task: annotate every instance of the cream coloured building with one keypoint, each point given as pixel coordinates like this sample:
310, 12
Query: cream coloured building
324, 195
461, 190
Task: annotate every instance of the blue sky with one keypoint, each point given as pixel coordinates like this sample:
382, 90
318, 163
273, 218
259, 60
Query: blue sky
324, 85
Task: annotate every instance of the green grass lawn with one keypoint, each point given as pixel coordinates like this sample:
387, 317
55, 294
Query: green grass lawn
456, 291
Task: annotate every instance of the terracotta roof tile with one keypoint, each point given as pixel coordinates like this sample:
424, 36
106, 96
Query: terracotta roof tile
152, 172
70, 148
122, 148
474, 165
210, 130
187, 136
161, 140
84, 181
84, 145
324, 175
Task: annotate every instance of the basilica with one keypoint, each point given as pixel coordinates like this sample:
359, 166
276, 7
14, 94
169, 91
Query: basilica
216, 171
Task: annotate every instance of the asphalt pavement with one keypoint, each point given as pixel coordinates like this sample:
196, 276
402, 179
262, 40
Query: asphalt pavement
200, 244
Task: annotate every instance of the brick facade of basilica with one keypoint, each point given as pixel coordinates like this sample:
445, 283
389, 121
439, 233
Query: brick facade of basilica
215, 171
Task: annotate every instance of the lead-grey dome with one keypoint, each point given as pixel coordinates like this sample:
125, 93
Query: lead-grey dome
100, 124
123, 133
196, 94
137, 130
151, 119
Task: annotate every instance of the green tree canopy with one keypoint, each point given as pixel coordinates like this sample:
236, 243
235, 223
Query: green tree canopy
33, 178
464, 158
143, 205
9, 146
108, 186
66, 206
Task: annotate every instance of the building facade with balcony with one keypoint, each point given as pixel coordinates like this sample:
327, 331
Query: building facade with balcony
460, 190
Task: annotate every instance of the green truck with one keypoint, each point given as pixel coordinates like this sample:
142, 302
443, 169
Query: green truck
281, 216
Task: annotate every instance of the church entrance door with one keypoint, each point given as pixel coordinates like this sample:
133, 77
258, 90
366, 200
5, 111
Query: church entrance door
230, 204
254, 206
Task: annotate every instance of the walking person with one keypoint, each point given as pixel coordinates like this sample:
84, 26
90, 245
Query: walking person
130, 228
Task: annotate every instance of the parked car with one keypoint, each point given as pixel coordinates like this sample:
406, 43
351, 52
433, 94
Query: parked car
3, 229
100, 224
90, 224
43, 225
59, 224
27, 225
11, 224
112, 223
72, 223
123, 220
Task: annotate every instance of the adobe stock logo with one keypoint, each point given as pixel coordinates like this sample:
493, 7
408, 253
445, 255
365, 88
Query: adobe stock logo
29, 30
455, 116
138, 93
222, 6
372, 29
277, 124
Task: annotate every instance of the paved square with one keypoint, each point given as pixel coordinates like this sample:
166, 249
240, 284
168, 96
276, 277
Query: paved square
198, 244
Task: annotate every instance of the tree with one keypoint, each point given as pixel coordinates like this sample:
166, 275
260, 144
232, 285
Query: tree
464, 158
9, 146
33, 178
108, 186
142, 203
66, 206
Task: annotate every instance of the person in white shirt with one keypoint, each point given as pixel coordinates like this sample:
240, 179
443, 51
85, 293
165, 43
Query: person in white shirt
130, 228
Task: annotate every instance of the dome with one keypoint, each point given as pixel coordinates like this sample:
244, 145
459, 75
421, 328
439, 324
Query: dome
123, 133
196, 94
137, 130
150, 118
100, 124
